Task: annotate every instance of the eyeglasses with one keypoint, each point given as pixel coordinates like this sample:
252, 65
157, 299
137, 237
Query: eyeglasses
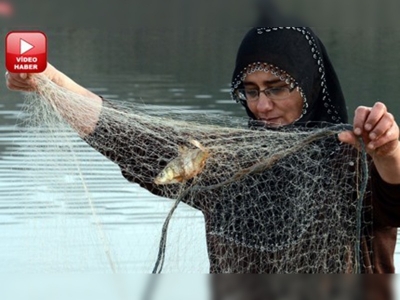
274, 93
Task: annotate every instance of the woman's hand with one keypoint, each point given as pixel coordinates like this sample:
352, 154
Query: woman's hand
26, 81
380, 133
82, 120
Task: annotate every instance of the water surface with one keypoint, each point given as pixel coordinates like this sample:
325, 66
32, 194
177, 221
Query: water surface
47, 230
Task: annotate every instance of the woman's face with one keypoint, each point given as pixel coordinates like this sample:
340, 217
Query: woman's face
273, 112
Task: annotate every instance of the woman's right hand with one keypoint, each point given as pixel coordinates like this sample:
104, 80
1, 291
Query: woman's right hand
26, 81
88, 118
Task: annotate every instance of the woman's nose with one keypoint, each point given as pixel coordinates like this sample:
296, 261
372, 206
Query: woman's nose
264, 103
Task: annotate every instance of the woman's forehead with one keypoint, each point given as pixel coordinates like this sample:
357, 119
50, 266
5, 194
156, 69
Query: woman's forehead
261, 77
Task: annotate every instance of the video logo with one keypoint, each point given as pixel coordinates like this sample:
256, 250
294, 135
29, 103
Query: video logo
26, 52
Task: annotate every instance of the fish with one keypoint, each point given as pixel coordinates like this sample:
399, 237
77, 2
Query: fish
188, 164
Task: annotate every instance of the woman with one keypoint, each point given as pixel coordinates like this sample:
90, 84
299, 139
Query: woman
283, 78
309, 93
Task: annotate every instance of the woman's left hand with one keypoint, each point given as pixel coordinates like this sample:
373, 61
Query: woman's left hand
380, 134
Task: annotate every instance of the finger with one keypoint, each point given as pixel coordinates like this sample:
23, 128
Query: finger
387, 149
350, 138
16, 80
18, 84
360, 116
20, 77
11, 86
385, 123
377, 112
386, 141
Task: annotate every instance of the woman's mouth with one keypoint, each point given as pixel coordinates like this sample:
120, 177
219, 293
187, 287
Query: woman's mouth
271, 120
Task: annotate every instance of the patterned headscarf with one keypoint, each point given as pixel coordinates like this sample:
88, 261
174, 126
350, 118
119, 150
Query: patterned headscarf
297, 56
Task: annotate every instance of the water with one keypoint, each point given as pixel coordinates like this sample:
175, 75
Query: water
185, 69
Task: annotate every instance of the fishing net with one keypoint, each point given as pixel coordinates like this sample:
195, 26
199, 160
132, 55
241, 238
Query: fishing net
269, 200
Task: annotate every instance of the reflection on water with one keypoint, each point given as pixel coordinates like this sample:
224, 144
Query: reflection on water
46, 229
68, 209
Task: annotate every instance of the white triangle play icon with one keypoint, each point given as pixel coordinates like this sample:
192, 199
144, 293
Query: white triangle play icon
24, 46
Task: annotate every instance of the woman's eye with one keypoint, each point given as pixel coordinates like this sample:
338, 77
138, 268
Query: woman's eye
251, 93
277, 90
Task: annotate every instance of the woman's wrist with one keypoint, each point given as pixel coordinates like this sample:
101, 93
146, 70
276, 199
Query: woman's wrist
388, 166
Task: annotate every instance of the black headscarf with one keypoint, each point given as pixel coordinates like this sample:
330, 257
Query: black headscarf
298, 56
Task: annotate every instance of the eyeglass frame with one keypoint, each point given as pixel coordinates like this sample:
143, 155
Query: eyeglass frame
242, 91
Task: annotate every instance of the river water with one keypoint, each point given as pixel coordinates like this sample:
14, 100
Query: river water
45, 231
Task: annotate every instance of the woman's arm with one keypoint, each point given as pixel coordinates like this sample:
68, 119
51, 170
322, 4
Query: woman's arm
29, 83
140, 146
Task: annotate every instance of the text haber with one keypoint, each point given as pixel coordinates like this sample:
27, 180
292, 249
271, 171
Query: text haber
25, 67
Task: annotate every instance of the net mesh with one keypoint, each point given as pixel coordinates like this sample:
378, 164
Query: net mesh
273, 201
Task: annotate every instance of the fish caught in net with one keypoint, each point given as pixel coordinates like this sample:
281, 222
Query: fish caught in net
286, 200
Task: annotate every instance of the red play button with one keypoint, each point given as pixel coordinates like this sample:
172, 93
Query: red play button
24, 46
26, 52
